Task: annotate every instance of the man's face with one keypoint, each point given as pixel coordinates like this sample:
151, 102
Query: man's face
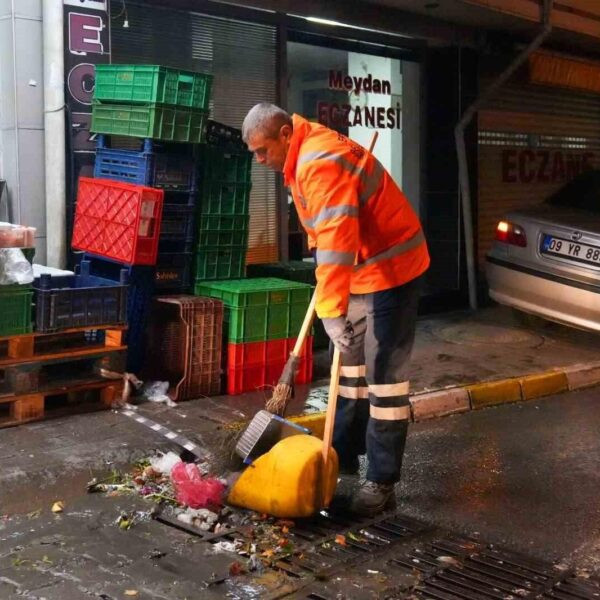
271, 151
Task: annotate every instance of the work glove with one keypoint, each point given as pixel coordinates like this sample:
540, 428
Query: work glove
340, 332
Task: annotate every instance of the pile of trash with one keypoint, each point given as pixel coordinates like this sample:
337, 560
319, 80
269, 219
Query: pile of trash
186, 492
166, 478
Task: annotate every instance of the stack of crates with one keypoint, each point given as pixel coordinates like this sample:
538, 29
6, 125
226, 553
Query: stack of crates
224, 210
150, 101
117, 227
262, 319
168, 109
173, 169
185, 345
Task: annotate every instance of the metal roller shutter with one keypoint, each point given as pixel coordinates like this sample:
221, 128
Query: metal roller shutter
241, 56
531, 140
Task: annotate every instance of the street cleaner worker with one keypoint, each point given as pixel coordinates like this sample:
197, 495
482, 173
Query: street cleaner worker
370, 253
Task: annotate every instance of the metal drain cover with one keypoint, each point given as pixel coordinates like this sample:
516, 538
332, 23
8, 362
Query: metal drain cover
488, 333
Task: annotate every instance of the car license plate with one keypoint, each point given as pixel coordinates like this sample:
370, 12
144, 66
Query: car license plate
576, 251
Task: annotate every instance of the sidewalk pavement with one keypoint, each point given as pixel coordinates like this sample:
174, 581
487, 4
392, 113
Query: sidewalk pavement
461, 361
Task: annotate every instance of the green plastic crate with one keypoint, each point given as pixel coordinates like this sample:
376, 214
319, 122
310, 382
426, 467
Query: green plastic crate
220, 263
222, 239
293, 270
223, 230
152, 83
218, 164
260, 309
220, 222
219, 198
15, 309
150, 121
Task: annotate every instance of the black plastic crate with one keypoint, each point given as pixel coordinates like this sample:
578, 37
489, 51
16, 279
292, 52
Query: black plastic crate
229, 138
79, 300
178, 223
174, 271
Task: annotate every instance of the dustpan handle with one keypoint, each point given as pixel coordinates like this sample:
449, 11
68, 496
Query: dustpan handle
331, 404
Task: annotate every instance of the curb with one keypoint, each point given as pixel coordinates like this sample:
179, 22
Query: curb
460, 399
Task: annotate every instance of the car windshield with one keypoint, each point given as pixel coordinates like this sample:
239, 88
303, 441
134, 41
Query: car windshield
583, 192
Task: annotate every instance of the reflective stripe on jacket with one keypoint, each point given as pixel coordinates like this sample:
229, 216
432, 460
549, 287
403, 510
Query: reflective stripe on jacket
367, 236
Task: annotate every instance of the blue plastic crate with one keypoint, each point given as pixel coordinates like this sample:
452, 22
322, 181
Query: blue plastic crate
139, 301
152, 165
80, 300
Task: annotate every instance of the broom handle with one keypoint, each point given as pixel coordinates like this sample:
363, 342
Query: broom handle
306, 325
331, 404
335, 379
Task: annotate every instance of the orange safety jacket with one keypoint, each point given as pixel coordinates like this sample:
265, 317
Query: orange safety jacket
366, 234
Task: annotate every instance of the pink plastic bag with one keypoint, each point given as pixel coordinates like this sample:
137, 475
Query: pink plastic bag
193, 490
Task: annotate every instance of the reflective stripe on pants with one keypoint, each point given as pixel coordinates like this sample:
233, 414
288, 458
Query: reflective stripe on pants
384, 329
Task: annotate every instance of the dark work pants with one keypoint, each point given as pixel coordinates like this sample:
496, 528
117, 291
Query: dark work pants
373, 407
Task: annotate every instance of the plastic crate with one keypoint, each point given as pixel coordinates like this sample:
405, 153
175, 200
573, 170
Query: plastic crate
79, 300
222, 239
224, 198
168, 170
229, 138
178, 223
185, 345
15, 309
225, 166
152, 83
255, 365
293, 270
223, 231
150, 121
260, 309
139, 302
173, 271
220, 263
118, 220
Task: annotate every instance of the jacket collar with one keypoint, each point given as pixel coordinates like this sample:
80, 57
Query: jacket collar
301, 129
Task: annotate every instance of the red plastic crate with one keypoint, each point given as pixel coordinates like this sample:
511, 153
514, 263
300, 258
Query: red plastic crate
117, 220
255, 365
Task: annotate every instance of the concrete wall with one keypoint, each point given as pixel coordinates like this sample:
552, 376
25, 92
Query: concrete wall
22, 117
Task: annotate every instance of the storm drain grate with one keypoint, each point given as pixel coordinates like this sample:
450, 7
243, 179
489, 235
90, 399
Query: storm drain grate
574, 589
337, 539
461, 568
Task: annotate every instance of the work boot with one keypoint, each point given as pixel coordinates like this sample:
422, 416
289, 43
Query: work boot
373, 498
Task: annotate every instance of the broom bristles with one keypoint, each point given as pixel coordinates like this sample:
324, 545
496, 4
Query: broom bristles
278, 402
284, 390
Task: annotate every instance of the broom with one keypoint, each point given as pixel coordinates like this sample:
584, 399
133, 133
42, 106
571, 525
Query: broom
283, 392
284, 389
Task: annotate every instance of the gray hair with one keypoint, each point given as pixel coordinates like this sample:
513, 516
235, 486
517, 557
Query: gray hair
265, 118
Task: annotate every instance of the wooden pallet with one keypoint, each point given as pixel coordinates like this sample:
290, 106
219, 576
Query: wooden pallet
68, 344
71, 397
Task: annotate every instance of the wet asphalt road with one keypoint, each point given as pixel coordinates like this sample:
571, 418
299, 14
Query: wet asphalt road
521, 476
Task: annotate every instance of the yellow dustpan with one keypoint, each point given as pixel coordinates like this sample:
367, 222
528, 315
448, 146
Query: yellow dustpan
298, 476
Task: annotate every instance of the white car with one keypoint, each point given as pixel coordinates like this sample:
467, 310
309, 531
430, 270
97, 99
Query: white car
545, 261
